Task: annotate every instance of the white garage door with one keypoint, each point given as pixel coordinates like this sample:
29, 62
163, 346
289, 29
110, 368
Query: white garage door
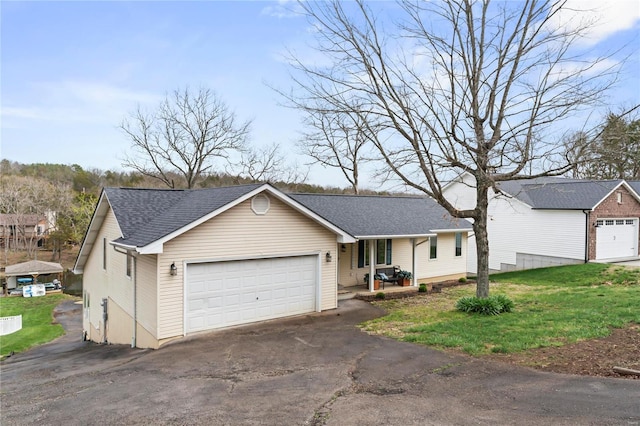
221, 294
616, 238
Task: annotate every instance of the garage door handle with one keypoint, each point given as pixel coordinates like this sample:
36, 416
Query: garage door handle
256, 298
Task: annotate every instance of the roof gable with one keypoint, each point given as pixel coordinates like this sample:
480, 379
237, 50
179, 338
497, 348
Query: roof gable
556, 193
147, 218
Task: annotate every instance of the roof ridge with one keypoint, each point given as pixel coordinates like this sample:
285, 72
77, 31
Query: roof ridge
360, 195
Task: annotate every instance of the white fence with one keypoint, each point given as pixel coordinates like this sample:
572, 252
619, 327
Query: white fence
10, 325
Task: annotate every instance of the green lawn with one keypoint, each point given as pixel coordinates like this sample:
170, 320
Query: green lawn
553, 306
37, 318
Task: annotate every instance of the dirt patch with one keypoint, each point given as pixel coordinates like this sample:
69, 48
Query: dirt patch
595, 357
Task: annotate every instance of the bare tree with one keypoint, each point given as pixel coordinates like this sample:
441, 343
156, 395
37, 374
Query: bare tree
268, 164
336, 140
457, 86
184, 135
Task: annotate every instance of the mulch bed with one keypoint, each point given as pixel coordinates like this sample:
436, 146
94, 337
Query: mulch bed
595, 357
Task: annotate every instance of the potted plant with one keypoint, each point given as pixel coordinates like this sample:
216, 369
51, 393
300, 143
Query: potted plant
404, 278
376, 281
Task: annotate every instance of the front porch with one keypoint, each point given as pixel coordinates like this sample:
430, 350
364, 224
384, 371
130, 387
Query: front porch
362, 291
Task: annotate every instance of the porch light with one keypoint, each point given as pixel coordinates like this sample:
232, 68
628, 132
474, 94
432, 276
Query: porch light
328, 256
173, 270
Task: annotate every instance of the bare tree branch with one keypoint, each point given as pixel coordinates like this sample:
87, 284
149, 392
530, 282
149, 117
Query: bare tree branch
458, 86
184, 135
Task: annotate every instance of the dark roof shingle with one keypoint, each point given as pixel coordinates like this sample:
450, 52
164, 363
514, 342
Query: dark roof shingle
559, 193
363, 216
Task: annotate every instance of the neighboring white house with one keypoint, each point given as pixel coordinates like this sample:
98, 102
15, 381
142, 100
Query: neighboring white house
553, 221
161, 264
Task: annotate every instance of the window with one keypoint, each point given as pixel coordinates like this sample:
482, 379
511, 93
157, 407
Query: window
366, 253
382, 252
629, 221
433, 247
104, 254
619, 194
599, 222
609, 222
129, 264
458, 244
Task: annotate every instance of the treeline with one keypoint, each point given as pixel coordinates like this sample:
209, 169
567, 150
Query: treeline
93, 180
61, 198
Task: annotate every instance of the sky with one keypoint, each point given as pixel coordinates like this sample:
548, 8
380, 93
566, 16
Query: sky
71, 71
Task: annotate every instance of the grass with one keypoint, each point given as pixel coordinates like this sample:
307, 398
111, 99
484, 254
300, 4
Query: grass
38, 325
553, 307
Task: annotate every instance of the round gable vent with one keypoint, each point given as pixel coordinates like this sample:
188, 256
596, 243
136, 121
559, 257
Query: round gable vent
260, 204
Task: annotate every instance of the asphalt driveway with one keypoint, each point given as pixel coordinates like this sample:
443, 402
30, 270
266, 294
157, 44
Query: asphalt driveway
316, 369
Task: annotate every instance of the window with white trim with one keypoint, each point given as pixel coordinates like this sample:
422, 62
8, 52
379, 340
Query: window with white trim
383, 252
629, 221
433, 247
458, 252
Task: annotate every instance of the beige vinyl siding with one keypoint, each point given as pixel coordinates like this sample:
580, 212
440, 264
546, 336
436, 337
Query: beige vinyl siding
447, 265
240, 233
147, 294
350, 274
96, 281
118, 288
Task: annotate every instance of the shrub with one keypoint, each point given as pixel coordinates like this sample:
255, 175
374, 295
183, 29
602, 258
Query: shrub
380, 295
492, 305
422, 288
462, 280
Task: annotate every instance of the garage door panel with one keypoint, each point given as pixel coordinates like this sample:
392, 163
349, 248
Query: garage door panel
616, 238
238, 292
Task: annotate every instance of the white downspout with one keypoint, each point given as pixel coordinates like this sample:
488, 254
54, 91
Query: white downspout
414, 279
372, 265
135, 302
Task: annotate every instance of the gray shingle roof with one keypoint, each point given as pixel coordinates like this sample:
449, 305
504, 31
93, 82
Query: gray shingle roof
559, 193
635, 184
147, 215
363, 216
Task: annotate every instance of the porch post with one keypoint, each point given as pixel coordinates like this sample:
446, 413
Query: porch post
372, 264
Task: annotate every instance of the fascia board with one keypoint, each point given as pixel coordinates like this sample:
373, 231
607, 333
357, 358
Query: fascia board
622, 183
506, 196
98, 217
380, 237
448, 230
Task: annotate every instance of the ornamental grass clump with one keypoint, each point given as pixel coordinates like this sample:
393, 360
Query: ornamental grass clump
492, 305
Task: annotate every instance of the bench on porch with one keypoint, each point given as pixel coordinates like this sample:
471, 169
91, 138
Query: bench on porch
386, 275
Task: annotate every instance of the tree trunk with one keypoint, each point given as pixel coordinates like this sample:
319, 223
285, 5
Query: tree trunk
482, 241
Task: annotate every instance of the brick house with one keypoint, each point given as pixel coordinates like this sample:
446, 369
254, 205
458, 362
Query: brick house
553, 221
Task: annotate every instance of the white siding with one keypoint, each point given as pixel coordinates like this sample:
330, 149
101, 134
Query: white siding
513, 227
236, 234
